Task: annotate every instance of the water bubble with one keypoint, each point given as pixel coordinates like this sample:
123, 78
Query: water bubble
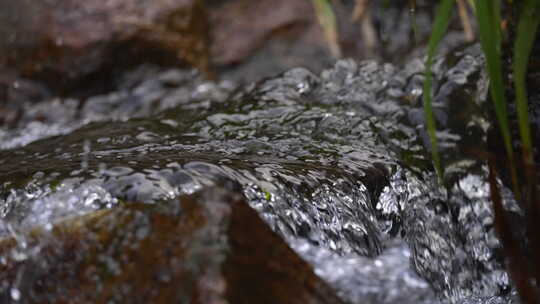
15, 294
86, 151
303, 87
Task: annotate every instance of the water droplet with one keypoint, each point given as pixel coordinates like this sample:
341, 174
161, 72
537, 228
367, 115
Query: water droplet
15, 294
303, 87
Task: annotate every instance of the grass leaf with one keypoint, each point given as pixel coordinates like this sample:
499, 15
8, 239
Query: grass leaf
488, 14
526, 32
444, 13
412, 15
525, 36
327, 19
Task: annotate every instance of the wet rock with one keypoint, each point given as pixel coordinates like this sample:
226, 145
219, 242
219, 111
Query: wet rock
271, 273
210, 247
86, 41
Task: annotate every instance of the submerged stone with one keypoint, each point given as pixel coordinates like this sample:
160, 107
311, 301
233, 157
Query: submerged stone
210, 247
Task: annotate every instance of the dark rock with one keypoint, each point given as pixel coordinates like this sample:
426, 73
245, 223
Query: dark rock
15, 92
207, 248
262, 269
66, 42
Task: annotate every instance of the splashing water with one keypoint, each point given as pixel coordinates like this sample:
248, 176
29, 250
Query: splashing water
335, 164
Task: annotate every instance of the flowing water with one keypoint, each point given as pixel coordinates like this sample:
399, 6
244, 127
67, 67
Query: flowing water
334, 163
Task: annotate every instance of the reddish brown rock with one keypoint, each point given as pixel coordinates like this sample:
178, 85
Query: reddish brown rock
207, 248
263, 269
254, 39
240, 27
61, 41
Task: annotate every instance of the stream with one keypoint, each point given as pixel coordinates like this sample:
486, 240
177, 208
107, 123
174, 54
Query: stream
336, 164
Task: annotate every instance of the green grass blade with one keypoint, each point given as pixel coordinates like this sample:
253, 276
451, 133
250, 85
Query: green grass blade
471, 4
444, 13
412, 15
526, 32
327, 19
488, 14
